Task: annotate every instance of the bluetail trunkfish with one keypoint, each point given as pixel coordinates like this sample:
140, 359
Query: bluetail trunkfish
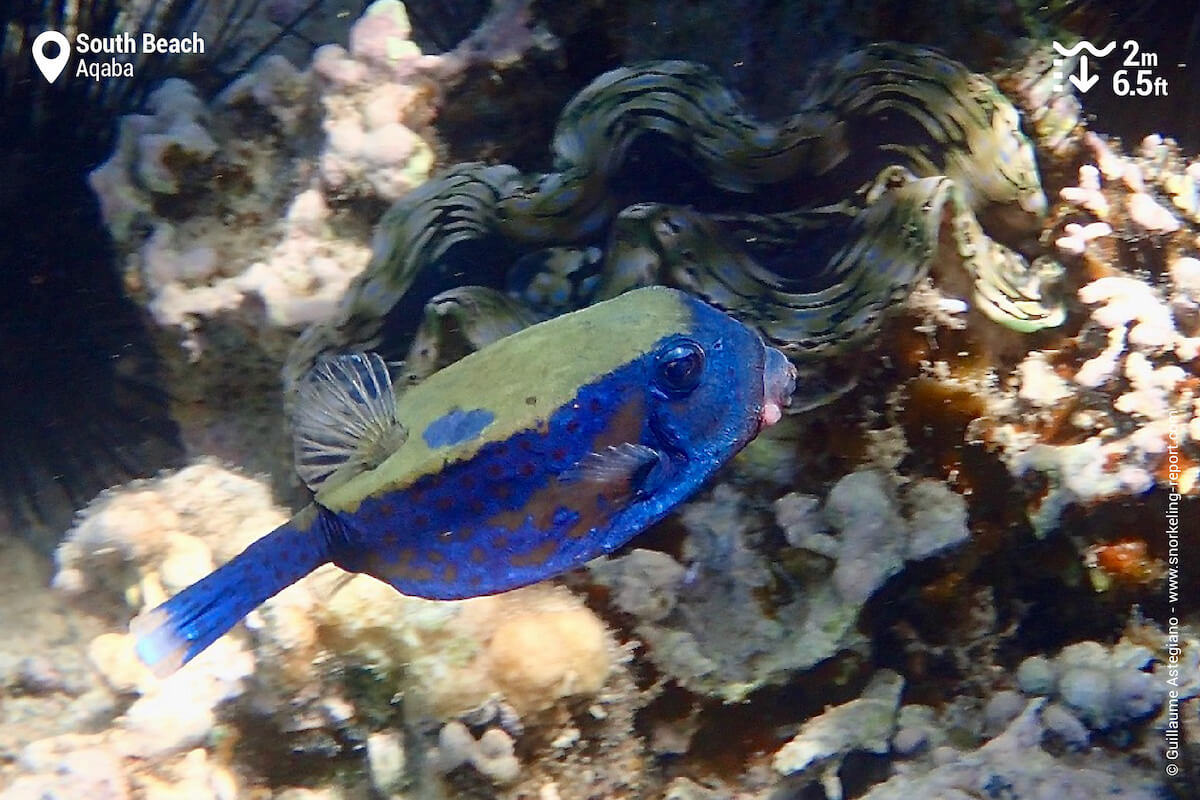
541, 451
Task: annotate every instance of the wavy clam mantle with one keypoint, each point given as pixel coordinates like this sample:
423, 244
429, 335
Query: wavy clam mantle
810, 228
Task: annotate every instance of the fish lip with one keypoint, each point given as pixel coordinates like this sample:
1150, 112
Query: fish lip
779, 382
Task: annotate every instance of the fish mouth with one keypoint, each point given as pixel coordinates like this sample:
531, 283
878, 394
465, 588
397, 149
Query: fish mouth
779, 381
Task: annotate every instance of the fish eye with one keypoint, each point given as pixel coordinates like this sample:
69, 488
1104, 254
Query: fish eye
679, 366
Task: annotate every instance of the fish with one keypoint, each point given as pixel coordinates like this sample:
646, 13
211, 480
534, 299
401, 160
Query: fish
541, 451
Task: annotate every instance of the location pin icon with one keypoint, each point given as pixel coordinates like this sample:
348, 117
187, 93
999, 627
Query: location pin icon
51, 67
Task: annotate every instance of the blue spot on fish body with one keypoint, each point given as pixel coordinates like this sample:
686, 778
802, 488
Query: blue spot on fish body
457, 426
565, 517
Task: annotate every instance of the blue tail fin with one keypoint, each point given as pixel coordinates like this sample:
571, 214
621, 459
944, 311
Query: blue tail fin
174, 633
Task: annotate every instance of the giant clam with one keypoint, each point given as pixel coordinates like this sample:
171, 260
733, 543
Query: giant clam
810, 228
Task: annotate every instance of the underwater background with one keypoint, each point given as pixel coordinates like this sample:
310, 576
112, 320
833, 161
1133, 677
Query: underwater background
961, 566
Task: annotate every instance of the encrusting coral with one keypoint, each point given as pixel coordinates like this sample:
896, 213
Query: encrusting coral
192, 190
703, 620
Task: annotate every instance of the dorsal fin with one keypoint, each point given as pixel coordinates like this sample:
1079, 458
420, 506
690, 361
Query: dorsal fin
345, 417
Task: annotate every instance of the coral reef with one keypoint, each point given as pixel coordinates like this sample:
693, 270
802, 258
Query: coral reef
1017, 755
71, 726
240, 219
1102, 688
1097, 414
525, 650
865, 724
183, 172
492, 755
1016, 765
375, 101
324, 657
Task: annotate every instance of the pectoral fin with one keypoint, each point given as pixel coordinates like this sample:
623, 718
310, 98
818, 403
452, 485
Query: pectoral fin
345, 418
643, 469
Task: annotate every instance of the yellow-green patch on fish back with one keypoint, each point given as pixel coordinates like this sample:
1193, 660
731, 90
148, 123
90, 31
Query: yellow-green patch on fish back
485, 397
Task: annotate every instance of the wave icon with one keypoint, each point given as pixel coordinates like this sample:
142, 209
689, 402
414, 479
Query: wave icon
1085, 45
